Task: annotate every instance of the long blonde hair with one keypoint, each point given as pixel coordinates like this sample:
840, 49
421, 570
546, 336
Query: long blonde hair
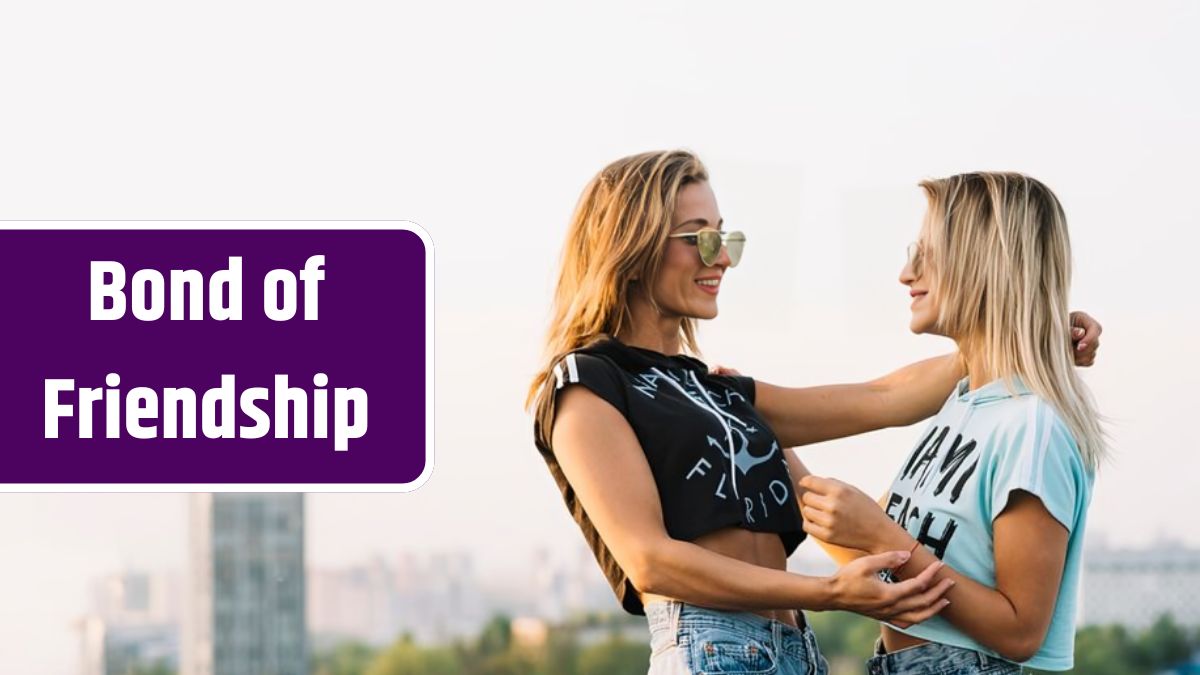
616, 239
1000, 260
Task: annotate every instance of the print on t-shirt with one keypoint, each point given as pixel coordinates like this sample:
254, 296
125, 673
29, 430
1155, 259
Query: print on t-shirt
938, 477
732, 439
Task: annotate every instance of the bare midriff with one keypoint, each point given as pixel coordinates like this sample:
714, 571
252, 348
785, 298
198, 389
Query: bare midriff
894, 640
757, 548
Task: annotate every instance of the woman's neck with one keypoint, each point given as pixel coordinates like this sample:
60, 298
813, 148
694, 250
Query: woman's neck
979, 372
649, 329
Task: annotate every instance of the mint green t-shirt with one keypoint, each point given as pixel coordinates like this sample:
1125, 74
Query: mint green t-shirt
981, 446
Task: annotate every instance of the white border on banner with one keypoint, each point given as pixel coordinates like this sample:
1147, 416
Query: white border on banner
405, 225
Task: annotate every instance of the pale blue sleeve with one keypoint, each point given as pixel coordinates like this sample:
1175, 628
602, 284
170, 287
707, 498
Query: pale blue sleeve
1039, 455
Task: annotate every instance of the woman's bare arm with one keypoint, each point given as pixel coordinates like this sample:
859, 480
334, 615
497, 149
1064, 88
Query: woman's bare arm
1029, 545
804, 415
600, 456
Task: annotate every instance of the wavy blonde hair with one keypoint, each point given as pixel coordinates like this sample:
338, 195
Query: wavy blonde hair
616, 239
1000, 260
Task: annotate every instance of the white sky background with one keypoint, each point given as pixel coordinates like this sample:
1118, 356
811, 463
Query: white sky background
483, 123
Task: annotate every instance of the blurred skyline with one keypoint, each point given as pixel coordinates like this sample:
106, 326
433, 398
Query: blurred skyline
483, 122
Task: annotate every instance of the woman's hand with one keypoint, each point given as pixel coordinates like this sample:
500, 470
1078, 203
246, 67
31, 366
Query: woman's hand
857, 587
1085, 335
841, 514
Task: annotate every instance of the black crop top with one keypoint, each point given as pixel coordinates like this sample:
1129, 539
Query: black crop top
687, 421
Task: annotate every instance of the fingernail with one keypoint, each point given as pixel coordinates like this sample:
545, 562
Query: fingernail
1078, 332
1081, 346
945, 602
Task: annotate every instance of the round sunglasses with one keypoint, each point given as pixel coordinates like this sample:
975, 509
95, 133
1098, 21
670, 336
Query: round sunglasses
709, 242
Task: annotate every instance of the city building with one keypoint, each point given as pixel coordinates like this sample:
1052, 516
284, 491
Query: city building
133, 623
245, 609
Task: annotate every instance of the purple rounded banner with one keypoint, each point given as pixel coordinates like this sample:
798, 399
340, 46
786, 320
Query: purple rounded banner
370, 340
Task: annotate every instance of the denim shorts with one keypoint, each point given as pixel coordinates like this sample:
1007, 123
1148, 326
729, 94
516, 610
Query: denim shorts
687, 640
933, 658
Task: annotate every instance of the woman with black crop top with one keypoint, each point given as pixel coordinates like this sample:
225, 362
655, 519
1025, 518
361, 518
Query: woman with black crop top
679, 478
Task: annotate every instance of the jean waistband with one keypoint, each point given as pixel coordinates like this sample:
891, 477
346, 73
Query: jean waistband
924, 656
671, 615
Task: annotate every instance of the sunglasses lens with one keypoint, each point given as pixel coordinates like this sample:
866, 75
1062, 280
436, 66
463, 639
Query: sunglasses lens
734, 243
915, 258
709, 244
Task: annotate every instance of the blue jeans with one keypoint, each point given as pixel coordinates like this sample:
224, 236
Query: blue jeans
933, 658
687, 640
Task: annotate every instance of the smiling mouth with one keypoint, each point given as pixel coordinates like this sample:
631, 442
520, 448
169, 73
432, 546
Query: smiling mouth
709, 285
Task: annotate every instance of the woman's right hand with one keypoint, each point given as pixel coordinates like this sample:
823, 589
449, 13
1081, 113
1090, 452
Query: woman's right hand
858, 588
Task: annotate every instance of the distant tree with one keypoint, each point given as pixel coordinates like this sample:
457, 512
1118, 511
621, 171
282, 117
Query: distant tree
1165, 644
496, 636
406, 658
513, 662
844, 637
158, 668
562, 652
614, 657
346, 658
1104, 650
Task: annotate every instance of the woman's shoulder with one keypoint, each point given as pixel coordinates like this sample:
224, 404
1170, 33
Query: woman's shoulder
1030, 429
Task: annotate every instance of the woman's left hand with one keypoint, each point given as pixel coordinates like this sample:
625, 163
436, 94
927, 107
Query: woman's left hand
841, 514
1085, 335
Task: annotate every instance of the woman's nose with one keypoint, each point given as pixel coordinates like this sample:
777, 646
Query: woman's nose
723, 261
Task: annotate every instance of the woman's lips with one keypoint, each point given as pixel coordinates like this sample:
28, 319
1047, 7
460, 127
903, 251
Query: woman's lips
710, 285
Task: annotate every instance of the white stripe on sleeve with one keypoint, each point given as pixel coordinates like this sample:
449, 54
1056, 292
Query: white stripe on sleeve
572, 369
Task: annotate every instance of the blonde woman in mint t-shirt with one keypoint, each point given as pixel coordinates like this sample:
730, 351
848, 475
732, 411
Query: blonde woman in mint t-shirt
998, 485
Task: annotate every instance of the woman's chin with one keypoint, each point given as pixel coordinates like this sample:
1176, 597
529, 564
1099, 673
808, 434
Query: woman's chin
919, 326
704, 311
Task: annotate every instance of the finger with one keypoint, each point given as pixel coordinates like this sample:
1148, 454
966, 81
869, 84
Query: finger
818, 531
906, 619
817, 516
923, 600
919, 582
817, 484
915, 613
885, 561
1092, 328
817, 501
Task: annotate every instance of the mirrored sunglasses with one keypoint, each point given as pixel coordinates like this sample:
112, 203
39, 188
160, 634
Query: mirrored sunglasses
709, 241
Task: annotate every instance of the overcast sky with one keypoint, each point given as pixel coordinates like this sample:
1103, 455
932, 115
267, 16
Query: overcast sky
483, 123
